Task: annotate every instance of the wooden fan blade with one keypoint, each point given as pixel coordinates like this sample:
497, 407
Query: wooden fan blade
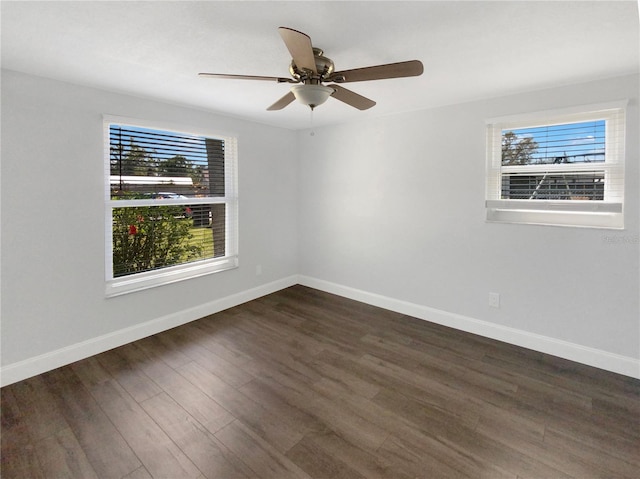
282, 102
247, 77
299, 45
411, 68
350, 98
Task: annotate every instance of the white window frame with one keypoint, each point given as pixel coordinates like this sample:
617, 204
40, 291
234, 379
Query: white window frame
150, 279
608, 213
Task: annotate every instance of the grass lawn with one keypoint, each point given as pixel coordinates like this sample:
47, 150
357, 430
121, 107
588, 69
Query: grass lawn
202, 237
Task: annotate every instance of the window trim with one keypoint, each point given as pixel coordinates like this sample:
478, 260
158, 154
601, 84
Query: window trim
607, 214
151, 279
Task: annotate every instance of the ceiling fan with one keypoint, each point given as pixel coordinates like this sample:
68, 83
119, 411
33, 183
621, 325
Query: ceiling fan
309, 69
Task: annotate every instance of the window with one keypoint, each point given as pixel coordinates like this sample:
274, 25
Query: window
171, 205
558, 168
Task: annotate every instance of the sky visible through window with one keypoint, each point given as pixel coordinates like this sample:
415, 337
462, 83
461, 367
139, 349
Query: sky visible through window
582, 142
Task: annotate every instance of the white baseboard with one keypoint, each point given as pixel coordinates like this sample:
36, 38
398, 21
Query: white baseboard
593, 357
544, 344
46, 362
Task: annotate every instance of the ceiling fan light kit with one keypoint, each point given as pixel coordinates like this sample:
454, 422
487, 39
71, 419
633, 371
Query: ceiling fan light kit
310, 68
312, 95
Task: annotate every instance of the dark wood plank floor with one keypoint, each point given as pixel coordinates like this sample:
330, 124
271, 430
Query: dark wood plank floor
305, 384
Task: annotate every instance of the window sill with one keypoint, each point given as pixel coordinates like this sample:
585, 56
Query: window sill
152, 279
572, 214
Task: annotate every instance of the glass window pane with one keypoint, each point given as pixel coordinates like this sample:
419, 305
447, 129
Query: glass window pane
147, 238
568, 143
556, 186
147, 163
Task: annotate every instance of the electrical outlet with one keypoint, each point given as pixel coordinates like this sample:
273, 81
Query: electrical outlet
494, 300
258, 269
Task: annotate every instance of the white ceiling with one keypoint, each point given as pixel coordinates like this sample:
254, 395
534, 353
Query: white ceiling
470, 50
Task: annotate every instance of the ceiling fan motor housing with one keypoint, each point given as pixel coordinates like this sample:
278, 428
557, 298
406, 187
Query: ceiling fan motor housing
324, 67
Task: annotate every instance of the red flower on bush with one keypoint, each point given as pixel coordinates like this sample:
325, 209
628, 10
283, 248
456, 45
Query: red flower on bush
133, 230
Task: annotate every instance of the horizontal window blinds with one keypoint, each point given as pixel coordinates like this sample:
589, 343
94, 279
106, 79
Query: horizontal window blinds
151, 162
570, 143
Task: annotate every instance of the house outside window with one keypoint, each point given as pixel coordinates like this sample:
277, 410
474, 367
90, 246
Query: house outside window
170, 204
558, 168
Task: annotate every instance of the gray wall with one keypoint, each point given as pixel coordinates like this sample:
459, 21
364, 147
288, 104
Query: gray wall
395, 207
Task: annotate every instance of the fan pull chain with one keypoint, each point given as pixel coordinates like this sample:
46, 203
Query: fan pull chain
313, 133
